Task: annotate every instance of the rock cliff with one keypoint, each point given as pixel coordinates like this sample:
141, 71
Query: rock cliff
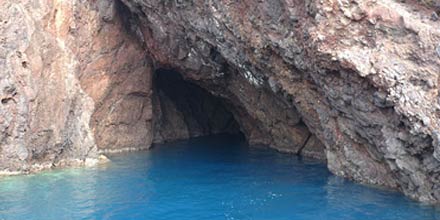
355, 82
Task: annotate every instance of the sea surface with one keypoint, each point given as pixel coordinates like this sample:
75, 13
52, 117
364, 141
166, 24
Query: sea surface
217, 177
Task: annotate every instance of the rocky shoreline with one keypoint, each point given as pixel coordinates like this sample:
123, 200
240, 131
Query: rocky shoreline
39, 167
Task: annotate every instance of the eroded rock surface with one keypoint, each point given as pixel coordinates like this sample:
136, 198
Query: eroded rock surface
69, 72
361, 75
352, 82
116, 74
44, 113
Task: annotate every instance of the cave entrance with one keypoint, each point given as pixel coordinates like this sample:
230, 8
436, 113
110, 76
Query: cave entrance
183, 110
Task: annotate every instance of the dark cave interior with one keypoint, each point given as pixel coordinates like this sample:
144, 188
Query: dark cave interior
185, 110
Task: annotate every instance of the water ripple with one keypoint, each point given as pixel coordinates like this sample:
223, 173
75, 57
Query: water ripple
207, 178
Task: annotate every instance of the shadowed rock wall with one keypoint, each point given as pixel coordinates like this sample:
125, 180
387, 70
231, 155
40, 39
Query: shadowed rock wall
183, 110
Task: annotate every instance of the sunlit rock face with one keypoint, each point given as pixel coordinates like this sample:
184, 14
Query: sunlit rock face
45, 114
69, 72
354, 83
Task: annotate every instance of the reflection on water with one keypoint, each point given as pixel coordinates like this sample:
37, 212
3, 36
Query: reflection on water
206, 178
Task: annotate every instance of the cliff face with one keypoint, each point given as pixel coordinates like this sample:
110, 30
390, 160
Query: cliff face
69, 72
44, 112
353, 82
361, 75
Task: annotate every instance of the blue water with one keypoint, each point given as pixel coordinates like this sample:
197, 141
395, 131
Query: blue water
205, 178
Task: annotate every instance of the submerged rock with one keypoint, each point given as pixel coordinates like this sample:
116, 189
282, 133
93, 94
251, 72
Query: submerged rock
353, 82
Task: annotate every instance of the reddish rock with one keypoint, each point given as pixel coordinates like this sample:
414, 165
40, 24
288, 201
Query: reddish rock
356, 81
362, 76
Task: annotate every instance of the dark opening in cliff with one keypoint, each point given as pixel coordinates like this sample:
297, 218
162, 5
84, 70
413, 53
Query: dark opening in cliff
183, 110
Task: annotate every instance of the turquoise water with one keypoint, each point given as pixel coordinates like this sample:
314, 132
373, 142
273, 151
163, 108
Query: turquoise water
205, 178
